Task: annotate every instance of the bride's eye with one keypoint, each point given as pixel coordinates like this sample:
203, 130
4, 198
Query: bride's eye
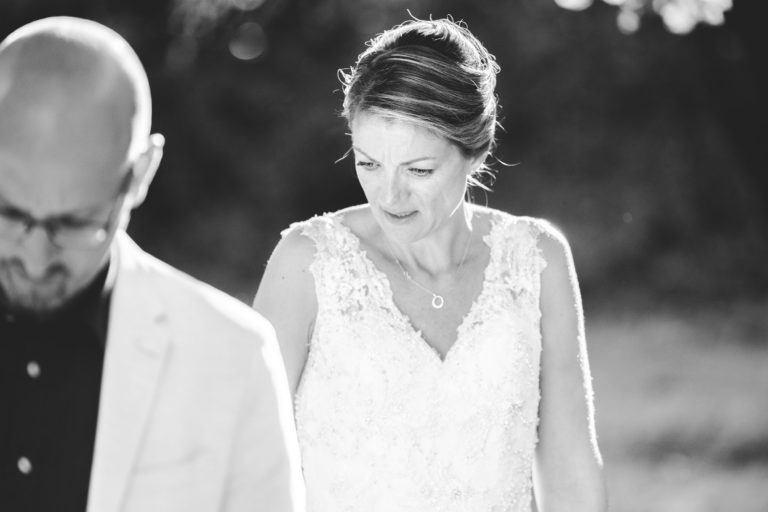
419, 171
369, 166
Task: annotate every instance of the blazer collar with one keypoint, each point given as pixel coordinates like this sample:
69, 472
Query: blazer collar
136, 353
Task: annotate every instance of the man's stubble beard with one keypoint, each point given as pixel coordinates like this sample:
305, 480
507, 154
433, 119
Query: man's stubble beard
38, 296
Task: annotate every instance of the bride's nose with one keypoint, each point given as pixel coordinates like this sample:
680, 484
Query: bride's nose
394, 187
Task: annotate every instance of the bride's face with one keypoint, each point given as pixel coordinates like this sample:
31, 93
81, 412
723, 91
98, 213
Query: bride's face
414, 181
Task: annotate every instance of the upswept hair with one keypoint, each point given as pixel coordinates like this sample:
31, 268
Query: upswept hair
433, 73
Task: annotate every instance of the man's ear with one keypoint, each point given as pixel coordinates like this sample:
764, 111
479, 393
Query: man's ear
144, 169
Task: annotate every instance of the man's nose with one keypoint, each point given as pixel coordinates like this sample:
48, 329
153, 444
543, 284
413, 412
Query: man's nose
37, 251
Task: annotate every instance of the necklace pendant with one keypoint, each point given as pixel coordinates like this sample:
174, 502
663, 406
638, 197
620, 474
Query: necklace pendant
437, 301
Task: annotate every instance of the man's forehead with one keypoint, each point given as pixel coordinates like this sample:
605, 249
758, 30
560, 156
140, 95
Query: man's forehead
46, 131
44, 143
43, 187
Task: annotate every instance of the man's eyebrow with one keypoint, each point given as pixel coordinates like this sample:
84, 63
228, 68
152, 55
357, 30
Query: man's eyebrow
78, 215
9, 207
85, 210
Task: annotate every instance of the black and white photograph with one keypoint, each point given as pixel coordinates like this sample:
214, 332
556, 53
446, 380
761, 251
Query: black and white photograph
383, 256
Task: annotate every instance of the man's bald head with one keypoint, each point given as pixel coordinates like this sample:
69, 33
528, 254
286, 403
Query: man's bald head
73, 82
76, 155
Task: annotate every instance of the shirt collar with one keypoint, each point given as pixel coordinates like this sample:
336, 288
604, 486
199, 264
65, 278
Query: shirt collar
89, 307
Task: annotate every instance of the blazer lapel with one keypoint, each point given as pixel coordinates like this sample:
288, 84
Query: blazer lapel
137, 345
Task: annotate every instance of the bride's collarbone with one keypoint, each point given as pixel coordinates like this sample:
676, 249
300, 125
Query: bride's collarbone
438, 326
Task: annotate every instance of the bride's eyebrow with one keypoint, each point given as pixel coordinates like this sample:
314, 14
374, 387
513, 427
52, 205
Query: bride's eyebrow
366, 155
408, 162
419, 159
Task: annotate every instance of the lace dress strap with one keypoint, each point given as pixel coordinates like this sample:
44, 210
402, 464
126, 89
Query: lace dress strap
343, 281
324, 230
516, 261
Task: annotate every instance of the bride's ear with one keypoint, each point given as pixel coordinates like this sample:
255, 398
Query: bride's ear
473, 166
476, 162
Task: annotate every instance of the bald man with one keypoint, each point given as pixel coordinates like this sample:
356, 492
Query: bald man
125, 385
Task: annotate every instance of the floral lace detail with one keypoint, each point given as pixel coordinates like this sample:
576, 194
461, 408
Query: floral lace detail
383, 423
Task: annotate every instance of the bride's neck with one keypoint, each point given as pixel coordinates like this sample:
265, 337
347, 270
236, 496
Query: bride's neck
442, 251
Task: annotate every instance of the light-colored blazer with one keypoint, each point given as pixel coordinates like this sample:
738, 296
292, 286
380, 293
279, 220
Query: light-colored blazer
195, 413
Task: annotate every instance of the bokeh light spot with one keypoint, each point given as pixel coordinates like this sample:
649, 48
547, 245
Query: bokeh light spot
628, 21
677, 19
248, 42
574, 5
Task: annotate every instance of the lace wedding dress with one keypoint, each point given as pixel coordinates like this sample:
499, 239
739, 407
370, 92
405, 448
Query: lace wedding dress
384, 423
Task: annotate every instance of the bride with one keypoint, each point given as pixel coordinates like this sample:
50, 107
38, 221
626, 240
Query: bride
435, 348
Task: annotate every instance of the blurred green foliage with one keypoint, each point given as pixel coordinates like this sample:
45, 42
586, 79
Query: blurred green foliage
646, 149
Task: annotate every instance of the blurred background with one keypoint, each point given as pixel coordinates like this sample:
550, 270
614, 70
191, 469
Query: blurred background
636, 126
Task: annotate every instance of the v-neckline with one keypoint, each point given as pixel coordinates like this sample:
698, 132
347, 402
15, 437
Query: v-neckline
403, 319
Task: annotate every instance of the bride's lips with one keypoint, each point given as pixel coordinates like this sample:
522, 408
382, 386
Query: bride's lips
399, 216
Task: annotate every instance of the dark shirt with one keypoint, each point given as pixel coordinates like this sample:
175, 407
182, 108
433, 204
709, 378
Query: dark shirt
50, 379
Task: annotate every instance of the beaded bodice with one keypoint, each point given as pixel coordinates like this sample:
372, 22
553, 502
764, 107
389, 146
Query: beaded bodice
384, 423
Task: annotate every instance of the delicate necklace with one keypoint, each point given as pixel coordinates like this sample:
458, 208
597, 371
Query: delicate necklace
437, 300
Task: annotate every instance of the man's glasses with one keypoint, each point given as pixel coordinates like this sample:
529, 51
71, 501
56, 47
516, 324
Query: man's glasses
63, 232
